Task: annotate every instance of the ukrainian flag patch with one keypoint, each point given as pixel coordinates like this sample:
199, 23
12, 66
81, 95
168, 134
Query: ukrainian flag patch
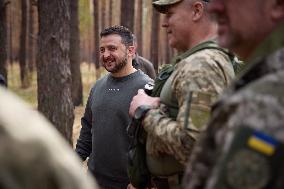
262, 143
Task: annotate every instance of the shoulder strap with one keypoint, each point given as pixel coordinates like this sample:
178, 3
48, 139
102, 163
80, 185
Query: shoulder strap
236, 63
168, 69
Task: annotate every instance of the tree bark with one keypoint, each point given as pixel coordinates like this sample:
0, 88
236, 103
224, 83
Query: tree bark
103, 14
155, 39
110, 12
3, 39
77, 95
54, 76
127, 14
10, 35
138, 25
31, 35
96, 38
25, 82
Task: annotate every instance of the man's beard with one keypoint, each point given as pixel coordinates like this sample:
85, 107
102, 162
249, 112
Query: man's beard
118, 65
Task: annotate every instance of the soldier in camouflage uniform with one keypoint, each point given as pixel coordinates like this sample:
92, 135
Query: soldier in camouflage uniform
174, 119
243, 145
32, 153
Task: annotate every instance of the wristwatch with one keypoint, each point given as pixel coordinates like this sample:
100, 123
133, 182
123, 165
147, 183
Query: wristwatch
141, 111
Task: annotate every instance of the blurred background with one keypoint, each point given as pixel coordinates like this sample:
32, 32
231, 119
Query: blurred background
21, 62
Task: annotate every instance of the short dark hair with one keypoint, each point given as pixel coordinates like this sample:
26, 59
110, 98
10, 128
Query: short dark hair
125, 34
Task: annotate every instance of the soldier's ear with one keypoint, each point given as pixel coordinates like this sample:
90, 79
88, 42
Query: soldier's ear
198, 10
278, 10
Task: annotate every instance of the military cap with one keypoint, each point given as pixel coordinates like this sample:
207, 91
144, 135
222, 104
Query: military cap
162, 5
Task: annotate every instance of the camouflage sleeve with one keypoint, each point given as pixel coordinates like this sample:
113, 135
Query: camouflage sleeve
205, 74
201, 161
263, 102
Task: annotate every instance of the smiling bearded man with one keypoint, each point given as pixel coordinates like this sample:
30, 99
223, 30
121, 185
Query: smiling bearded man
115, 62
103, 136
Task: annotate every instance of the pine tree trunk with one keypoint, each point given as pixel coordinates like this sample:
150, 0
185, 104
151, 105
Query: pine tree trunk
3, 39
155, 39
25, 82
54, 75
96, 38
103, 15
31, 46
110, 12
77, 95
127, 14
10, 35
138, 25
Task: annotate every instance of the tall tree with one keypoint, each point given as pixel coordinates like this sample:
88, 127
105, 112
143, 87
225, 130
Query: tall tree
25, 81
10, 34
77, 92
96, 38
53, 70
31, 43
110, 12
138, 24
3, 39
127, 14
116, 6
155, 39
103, 14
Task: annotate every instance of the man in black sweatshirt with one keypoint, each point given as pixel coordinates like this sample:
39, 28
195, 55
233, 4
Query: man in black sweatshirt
103, 136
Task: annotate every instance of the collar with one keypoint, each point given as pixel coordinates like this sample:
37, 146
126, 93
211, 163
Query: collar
191, 51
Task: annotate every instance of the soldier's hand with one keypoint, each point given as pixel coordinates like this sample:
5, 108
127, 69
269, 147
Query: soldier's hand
143, 99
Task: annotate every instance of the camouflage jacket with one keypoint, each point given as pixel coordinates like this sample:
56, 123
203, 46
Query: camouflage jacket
32, 152
205, 73
254, 101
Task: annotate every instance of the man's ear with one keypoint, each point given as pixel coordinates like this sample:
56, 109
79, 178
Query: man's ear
198, 10
278, 10
131, 51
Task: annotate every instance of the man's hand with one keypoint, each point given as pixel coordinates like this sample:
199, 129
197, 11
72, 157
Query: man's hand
143, 99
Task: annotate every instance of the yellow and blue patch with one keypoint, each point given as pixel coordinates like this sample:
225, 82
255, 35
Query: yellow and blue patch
262, 143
